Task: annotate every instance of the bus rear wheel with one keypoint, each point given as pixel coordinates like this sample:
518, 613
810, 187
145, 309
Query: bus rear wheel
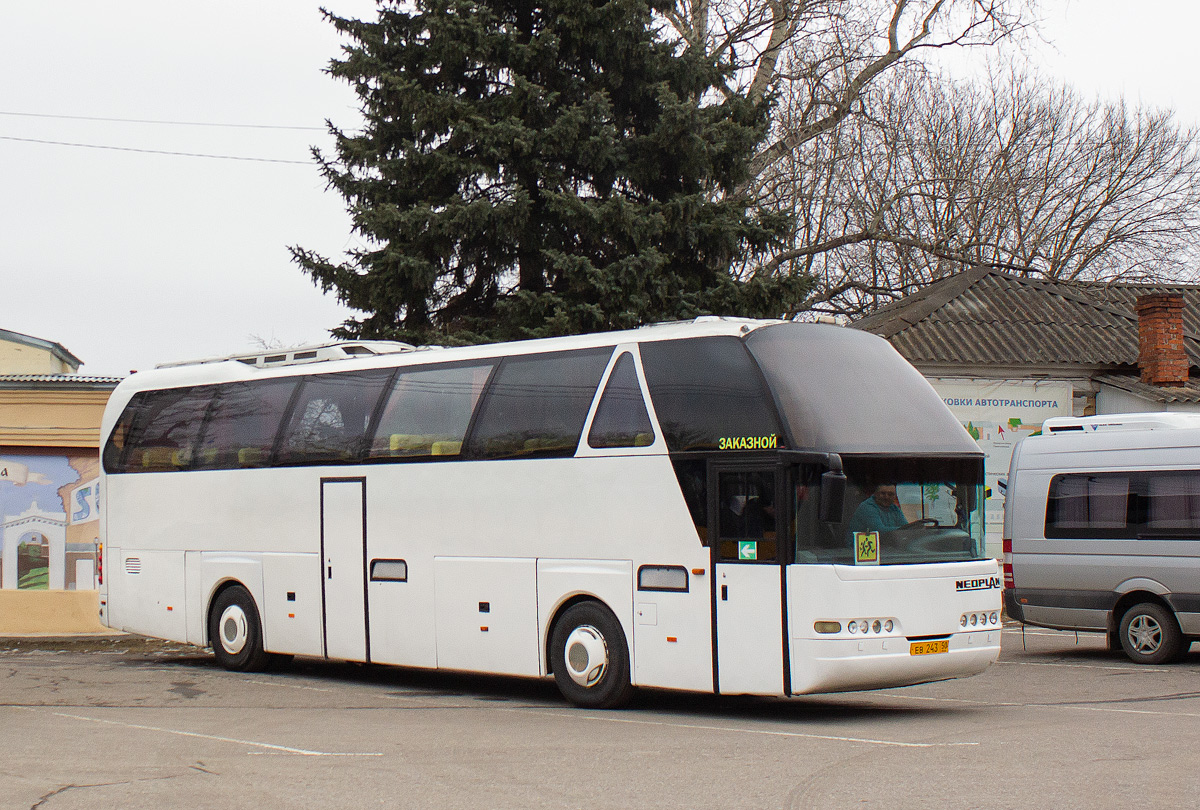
1150, 635
590, 657
235, 631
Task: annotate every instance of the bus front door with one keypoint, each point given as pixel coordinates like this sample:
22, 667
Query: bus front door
748, 580
343, 586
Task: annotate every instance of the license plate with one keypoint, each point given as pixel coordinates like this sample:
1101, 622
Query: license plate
929, 647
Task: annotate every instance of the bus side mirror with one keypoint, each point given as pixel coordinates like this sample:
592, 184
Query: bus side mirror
833, 496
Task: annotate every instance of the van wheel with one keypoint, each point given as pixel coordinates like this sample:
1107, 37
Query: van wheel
1150, 635
235, 631
590, 657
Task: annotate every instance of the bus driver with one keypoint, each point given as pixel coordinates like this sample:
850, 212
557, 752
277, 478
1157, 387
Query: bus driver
878, 513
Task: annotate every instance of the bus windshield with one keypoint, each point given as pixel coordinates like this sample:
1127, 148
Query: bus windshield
896, 512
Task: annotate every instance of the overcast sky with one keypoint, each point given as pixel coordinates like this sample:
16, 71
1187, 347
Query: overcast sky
131, 258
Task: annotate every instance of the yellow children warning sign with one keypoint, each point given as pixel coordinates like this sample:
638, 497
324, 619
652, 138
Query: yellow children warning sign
866, 548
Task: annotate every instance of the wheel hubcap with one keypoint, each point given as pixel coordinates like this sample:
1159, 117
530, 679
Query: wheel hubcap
233, 630
1145, 635
586, 655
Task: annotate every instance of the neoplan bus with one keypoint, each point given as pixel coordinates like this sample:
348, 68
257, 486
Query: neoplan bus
675, 506
1102, 531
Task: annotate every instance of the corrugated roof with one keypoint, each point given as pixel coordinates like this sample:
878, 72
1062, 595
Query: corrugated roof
57, 381
987, 317
1189, 392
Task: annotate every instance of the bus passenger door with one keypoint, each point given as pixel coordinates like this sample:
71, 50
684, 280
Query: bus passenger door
749, 636
343, 578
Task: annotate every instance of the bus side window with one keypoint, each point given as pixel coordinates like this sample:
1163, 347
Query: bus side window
243, 424
536, 405
163, 435
114, 449
692, 475
331, 416
709, 394
429, 410
621, 418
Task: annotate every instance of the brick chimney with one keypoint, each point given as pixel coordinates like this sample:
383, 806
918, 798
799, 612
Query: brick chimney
1160, 339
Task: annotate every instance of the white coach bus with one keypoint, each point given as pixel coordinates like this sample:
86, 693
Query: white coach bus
728, 506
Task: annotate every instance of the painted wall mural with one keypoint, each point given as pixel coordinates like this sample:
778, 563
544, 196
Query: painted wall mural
49, 520
998, 414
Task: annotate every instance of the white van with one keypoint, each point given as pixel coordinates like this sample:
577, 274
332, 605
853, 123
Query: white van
1102, 531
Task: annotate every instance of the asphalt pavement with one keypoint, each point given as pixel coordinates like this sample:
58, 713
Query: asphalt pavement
132, 723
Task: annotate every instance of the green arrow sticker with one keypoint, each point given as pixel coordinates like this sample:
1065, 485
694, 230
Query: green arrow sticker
747, 549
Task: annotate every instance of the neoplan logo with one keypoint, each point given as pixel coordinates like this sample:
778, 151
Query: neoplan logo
981, 584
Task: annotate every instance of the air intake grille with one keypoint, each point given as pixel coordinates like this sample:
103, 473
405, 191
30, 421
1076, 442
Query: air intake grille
133, 565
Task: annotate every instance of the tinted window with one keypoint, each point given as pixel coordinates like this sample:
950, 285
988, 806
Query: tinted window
536, 405
331, 416
114, 449
746, 516
1126, 505
692, 475
429, 410
621, 419
243, 425
164, 428
709, 395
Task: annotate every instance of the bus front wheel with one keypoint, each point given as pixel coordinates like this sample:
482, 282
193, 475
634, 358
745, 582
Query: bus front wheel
235, 631
590, 657
1150, 635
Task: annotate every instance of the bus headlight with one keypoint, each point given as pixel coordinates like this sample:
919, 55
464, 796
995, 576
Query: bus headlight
979, 619
856, 626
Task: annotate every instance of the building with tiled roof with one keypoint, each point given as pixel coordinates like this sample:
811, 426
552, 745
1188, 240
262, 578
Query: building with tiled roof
1007, 351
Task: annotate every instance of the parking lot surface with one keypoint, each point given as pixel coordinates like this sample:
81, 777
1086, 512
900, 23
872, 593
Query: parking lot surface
126, 722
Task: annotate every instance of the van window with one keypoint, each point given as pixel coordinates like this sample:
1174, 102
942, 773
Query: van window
536, 404
1125, 505
1174, 501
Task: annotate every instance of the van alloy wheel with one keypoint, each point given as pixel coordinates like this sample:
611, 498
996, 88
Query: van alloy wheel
1150, 635
1145, 635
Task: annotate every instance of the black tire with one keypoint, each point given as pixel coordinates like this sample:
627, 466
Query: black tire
590, 657
235, 632
1150, 635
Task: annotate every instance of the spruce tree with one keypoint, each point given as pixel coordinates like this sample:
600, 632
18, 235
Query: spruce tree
540, 167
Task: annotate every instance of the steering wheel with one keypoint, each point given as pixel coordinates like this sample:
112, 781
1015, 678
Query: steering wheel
923, 522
